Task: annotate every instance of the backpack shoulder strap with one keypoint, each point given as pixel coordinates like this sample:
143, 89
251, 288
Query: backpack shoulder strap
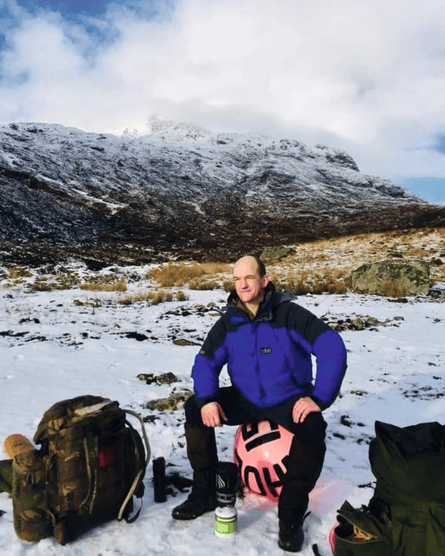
144, 434
141, 471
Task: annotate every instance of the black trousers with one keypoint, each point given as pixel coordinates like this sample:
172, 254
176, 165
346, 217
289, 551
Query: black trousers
306, 454
239, 410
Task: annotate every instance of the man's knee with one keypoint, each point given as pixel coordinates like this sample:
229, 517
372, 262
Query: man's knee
304, 465
312, 430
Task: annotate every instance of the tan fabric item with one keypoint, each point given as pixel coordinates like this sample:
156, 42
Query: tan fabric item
360, 536
17, 444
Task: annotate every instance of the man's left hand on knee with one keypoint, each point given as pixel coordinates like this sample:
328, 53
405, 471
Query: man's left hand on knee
302, 408
213, 415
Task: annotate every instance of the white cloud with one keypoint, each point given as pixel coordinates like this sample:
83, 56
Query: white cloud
365, 76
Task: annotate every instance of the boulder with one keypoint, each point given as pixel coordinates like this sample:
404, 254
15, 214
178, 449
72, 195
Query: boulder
184, 342
165, 378
393, 278
270, 253
174, 402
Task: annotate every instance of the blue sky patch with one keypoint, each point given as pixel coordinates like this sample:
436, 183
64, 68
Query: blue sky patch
430, 189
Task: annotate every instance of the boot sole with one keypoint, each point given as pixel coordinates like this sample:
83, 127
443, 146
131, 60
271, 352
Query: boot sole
189, 516
289, 549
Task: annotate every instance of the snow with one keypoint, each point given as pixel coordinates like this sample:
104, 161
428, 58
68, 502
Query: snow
53, 348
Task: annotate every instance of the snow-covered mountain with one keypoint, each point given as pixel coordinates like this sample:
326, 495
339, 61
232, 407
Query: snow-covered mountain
185, 190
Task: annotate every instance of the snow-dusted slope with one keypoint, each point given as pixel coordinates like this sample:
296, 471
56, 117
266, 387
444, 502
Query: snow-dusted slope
184, 187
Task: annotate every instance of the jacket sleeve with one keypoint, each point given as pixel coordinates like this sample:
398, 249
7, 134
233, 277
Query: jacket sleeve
208, 364
330, 352
327, 346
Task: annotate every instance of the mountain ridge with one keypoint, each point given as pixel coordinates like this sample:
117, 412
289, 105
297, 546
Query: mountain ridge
186, 191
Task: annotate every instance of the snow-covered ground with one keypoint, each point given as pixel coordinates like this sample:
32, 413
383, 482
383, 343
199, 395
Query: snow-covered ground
54, 348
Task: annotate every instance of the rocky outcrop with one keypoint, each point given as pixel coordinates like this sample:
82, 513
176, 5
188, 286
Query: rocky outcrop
175, 401
271, 253
185, 192
393, 278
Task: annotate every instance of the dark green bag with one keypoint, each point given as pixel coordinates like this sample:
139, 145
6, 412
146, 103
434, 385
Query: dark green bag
406, 515
90, 464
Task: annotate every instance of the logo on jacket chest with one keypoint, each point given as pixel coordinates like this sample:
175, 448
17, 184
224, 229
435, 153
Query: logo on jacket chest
265, 351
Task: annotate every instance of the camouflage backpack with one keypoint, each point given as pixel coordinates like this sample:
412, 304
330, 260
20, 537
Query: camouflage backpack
90, 464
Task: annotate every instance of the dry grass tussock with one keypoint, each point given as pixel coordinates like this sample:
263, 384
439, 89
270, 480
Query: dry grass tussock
391, 289
18, 272
154, 298
303, 282
199, 276
116, 286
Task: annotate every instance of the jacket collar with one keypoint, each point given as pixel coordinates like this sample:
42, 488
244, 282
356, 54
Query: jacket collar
271, 299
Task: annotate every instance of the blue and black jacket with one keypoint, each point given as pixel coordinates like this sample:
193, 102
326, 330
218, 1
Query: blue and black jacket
269, 358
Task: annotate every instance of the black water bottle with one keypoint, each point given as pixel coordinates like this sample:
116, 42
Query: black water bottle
159, 479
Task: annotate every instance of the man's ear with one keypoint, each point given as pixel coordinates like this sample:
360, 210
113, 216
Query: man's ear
265, 280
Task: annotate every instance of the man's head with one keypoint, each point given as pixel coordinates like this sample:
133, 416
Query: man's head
250, 279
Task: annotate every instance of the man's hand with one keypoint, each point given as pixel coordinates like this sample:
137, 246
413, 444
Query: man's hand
212, 415
302, 408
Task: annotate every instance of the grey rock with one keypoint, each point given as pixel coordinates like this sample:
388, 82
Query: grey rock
184, 342
358, 322
174, 402
392, 278
164, 378
270, 253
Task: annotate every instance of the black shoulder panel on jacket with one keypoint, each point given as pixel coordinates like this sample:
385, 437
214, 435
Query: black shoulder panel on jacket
296, 317
214, 338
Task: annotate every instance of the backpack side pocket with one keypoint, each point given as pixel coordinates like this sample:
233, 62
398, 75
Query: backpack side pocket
32, 519
360, 533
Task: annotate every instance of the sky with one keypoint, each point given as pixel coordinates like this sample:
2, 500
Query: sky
360, 75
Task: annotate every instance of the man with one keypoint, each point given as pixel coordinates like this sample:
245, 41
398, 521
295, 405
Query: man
267, 342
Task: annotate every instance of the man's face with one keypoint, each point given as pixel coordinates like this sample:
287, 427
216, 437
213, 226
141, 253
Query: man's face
248, 283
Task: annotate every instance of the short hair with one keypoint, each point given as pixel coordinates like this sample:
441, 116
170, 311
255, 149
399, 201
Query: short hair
261, 268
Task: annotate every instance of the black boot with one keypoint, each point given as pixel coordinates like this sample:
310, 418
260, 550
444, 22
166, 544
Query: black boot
291, 514
202, 499
202, 454
304, 465
290, 536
